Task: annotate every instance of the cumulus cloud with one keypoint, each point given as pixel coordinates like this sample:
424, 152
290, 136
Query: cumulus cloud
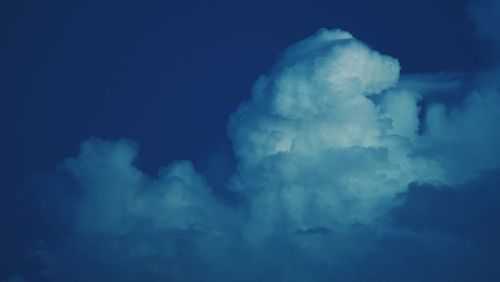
124, 217
116, 196
315, 148
327, 146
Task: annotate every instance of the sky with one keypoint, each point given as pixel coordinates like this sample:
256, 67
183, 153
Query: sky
250, 141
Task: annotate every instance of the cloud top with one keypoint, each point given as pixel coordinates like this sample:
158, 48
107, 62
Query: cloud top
316, 149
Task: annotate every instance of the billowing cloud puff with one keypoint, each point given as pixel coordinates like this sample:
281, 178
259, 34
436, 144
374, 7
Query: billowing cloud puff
117, 197
122, 216
315, 148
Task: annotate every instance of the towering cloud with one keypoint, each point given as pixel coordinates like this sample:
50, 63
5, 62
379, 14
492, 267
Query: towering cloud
328, 137
327, 147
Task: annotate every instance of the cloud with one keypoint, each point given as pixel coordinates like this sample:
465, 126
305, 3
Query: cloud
327, 146
116, 196
464, 139
130, 226
315, 148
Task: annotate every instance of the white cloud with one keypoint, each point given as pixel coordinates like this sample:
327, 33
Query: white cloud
315, 149
117, 196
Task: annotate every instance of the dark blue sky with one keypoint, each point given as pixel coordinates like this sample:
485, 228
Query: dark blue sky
168, 74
